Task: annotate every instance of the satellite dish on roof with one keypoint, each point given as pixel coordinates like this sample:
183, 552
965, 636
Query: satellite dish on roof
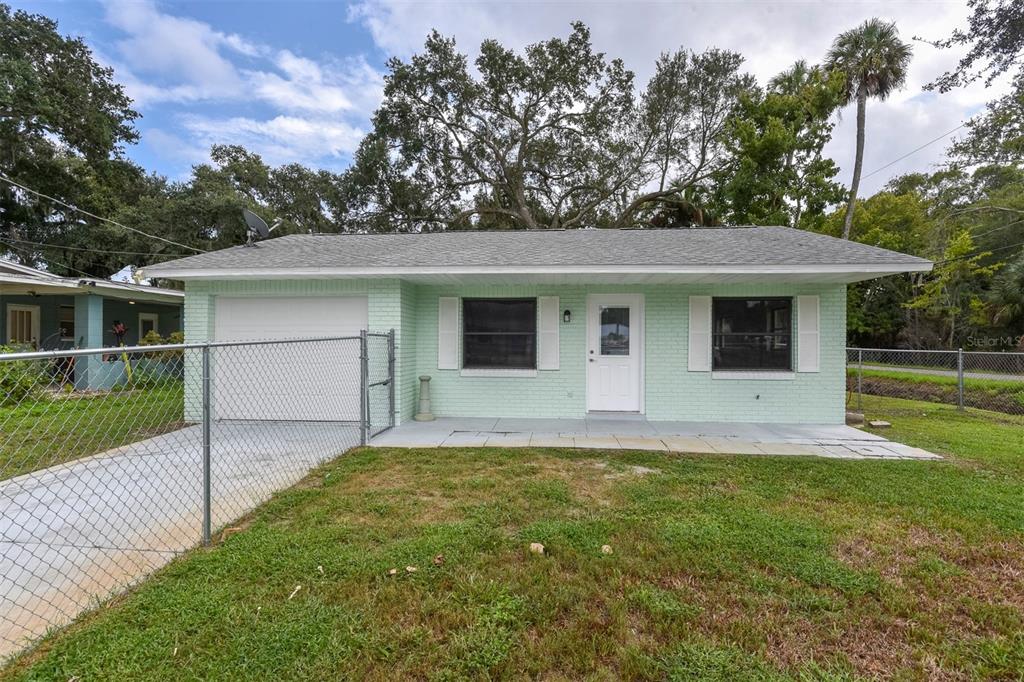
257, 226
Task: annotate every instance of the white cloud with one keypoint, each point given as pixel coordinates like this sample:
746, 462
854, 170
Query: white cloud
305, 85
771, 35
171, 146
173, 59
282, 139
184, 56
317, 107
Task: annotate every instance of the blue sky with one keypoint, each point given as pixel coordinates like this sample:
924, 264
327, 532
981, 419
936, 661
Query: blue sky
295, 81
298, 81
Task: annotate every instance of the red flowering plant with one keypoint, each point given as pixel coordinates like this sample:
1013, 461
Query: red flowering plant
119, 331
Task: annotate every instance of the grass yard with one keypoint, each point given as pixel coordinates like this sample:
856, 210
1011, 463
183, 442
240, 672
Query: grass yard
723, 568
57, 428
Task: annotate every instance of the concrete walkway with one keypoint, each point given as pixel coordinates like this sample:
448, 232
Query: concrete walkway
78, 532
636, 433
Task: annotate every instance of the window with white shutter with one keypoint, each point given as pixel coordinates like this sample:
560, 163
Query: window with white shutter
752, 334
499, 333
808, 324
550, 317
700, 334
447, 333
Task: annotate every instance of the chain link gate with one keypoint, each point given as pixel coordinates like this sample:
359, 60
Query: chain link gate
115, 460
378, 379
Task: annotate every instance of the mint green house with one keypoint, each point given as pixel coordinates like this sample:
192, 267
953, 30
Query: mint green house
711, 324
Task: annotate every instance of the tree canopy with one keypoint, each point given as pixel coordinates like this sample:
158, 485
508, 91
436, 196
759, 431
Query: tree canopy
556, 137
64, 123
994, 37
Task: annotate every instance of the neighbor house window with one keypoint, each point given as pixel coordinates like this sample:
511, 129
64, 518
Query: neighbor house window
66, 322
752, 334
499, 333
148, 322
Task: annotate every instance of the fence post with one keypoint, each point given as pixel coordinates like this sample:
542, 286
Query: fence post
207, 516
364, 412
960, 379
860, 380
391, 376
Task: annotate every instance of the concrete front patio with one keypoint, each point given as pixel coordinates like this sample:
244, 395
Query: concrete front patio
636, 433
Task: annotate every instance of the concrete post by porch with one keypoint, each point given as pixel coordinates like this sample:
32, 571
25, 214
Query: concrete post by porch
89, 370
424, 414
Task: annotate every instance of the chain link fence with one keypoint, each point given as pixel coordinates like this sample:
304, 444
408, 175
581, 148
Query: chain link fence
113, 461
985, 380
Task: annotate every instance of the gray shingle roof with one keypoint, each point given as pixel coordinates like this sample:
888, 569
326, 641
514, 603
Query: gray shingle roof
737, 246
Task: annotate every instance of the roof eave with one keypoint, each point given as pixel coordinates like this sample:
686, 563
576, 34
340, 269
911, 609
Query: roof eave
69, 286
858, 271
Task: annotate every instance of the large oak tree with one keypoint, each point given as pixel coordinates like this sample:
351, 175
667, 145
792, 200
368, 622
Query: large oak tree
63, 124
556, 137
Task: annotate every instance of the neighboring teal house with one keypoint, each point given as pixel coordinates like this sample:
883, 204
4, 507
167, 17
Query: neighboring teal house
43, 311
712, 324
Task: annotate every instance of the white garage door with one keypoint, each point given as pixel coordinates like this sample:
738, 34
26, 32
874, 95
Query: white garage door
302, 381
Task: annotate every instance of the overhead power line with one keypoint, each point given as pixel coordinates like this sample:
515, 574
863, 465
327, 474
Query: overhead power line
82, 248
978, 253
914, 151
93, 215
48, 261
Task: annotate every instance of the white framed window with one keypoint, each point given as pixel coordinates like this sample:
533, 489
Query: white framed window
23, 325
752, 334
499, 333
66, 322
148, 322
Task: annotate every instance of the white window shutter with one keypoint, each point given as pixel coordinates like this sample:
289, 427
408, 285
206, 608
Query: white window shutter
808, 324
700, 334
447, 332
547, 337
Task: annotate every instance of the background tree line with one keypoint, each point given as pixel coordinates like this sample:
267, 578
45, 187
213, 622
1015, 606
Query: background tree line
558, 136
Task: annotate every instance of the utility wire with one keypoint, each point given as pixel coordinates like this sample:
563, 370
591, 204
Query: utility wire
996, 229
82, 248
48, 261
976, 253
914, 151
93, 215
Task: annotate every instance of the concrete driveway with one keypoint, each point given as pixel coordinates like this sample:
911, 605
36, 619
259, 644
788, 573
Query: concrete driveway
78, 532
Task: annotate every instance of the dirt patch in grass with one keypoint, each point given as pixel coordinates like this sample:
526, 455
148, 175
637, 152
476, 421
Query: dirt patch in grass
1009, 400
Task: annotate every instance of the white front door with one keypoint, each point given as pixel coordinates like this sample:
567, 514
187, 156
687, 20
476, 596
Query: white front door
614, 352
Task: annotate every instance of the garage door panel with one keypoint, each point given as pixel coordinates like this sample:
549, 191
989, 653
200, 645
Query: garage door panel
316, 380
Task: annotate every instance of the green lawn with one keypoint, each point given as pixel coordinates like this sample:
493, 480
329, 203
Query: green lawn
723, 568
59, 427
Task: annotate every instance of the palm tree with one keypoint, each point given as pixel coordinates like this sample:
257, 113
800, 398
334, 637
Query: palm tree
874, 61
793, 80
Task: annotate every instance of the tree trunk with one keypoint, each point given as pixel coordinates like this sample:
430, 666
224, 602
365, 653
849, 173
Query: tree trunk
862, 101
